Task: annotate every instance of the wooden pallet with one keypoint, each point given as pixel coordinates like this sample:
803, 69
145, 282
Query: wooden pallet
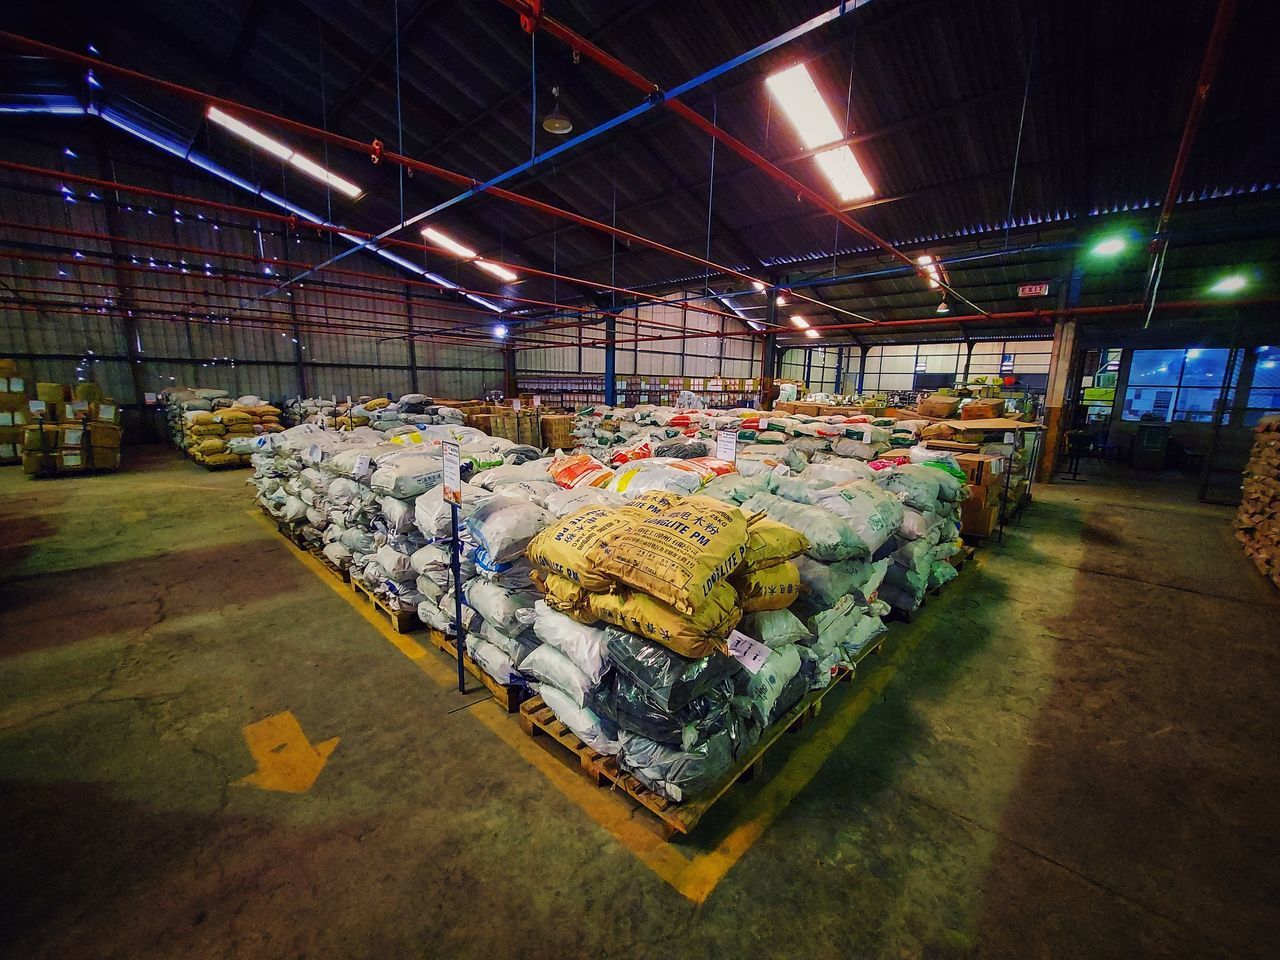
335, 571
402, 621
509, 696
539, 722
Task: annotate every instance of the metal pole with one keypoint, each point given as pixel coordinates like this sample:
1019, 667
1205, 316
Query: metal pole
610, 360
456, 560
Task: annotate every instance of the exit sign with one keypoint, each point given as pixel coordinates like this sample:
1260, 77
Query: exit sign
1040, 289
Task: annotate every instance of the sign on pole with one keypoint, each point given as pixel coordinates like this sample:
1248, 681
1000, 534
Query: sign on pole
451, 464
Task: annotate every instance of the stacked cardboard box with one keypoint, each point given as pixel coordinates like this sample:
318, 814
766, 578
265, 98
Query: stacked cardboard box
980, 513
69, 436
1258, 520
13, 412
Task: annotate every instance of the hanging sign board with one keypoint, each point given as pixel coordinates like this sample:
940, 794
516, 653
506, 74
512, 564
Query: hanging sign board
1038, 289
750, 653
451, 464
727, 445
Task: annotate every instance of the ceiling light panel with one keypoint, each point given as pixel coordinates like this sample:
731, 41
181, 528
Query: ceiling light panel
502, 273
450, 244
282, 151
816, 126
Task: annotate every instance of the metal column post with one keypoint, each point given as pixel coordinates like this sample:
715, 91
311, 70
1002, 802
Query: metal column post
510, 383
610, 360
409, 340
122, 285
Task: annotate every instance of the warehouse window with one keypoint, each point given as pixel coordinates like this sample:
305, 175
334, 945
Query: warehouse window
1175, 385
1264, 392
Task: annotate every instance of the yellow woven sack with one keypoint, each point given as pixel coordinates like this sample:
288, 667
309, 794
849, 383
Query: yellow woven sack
219, 459
682, 553
770, 543
230, 417
651, 504
563, 595
771, 588
377, 404
692, 636
571, 548
211, 445
207, 430
199, 416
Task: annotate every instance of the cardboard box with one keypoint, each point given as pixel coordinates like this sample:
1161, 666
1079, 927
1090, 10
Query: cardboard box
105, 458
71, 460
35, 462
52, 392
938, 407
557, 432
104, 435
981, 469
11, 400
40, 438
980, 521
987, 496
107, 412
982, 410
11, 435
71, 437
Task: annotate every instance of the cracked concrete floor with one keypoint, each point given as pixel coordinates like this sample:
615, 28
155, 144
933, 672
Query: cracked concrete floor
1077, 760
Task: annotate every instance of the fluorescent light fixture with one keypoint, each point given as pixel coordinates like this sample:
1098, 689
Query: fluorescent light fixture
800, 323
800, 100
1232, 284
283, 151
450, 244
1193, 353
811, 334
931, 268
502, 273
1109, 247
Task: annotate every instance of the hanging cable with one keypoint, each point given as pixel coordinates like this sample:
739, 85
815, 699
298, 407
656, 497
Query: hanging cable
399, 115
1022, 119
533, 102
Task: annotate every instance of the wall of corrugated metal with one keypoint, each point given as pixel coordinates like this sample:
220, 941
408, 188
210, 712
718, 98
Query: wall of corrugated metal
63, 299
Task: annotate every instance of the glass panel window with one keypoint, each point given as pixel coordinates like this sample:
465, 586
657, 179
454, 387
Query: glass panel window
1148, 401
1196, 404
1205, 368
1155, 368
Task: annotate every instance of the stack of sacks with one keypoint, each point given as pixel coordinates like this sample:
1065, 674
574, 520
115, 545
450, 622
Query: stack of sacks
179, 401
929, 534
502, 510
849, 528
672, 576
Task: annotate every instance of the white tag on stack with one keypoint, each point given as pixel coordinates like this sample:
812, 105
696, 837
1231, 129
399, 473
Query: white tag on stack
750, 653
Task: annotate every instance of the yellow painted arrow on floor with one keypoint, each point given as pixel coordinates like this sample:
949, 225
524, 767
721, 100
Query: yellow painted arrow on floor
286, 760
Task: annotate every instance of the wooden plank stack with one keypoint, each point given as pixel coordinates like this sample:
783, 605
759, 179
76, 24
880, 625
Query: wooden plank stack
1258, 520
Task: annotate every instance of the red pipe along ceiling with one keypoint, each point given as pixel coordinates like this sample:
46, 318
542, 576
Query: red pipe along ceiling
619, 69
594, 313
376, 150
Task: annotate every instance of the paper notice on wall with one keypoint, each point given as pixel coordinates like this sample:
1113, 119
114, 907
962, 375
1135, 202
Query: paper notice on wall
451, 464
750, 653
727, 445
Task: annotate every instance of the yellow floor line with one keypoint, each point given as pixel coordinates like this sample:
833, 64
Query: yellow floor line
693, 875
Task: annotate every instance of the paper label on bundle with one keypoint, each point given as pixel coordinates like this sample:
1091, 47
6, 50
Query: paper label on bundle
727, 445
313, 453
515, 404
750, 653
864, 433
148, 398
537, 400
37, 407
362, 465
764, 424
451, 469
1010, 437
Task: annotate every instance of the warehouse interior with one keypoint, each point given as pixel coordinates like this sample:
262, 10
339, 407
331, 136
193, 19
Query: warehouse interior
242, 241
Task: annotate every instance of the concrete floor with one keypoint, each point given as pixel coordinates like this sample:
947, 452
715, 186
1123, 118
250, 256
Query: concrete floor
1076, 759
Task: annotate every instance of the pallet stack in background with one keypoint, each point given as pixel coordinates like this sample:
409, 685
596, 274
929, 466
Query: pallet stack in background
13, 413
980, 511
70, 432
1258, 520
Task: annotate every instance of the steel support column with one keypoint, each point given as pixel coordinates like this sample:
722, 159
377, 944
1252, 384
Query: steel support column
610, 360
410, 343
127, 321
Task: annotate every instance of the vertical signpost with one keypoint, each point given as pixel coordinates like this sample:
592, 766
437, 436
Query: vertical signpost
451, 464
